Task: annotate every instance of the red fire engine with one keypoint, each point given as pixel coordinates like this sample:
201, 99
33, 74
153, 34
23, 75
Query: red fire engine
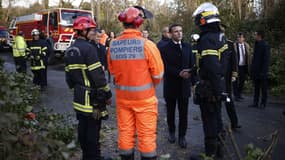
56, 23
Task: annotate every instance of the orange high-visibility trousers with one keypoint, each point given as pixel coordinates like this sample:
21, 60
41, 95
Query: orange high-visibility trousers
140, 120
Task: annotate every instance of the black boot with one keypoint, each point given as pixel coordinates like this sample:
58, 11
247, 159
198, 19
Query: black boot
211, 147
182, 142
171, 137
262, 105
148, 158
128, 157
220, 151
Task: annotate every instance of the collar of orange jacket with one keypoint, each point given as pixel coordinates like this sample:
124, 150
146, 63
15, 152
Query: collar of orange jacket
132, 31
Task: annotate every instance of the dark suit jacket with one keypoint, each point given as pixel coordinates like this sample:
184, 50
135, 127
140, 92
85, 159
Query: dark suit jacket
260, 61
164, 41
102, 53
247, 55
176, 60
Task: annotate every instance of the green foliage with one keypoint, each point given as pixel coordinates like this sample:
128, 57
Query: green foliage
277, 71
252, 153
26, 135
17, 92
26, 139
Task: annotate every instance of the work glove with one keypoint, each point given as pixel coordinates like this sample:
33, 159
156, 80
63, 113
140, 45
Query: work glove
104, 112
100, 112
96, 114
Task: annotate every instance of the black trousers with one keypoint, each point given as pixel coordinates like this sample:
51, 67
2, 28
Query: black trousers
231, 111
212, 125
260, 85
230, 106
239, 83
183, 114
45, 71
88, 136
21, 64
39, 77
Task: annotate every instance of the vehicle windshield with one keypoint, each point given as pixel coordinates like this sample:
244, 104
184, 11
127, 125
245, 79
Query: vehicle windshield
67, 17
3, 33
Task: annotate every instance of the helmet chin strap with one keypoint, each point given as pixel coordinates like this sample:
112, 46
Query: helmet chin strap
84, 35
88, 30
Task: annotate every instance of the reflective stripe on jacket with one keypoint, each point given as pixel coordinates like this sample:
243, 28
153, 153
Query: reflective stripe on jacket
19, 46
36, 51
137, 67
84, 73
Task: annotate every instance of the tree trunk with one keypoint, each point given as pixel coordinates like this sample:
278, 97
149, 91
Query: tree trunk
98, 11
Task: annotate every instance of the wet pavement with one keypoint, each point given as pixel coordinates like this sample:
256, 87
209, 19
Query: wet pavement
257, 124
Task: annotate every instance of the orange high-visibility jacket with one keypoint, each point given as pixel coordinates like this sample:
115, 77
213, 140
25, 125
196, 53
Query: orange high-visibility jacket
103, 39
137, 67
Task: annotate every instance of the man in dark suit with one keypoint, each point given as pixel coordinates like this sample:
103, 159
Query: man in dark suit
178, 62
259, 69
165, 38
243, 61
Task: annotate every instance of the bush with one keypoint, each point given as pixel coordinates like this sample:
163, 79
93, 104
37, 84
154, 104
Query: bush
277, 71
26, 135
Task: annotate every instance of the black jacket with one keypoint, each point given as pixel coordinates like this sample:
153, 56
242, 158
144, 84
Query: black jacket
37, 51
175, 60
229, 65
102, 53
260, 61
85, 75
164, 41
211, 46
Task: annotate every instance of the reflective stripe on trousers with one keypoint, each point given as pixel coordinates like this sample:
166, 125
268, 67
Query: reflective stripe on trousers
134, 88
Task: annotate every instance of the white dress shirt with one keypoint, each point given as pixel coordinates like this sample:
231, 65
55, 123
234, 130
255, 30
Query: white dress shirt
241, 54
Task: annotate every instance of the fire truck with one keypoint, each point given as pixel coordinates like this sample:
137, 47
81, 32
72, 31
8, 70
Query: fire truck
56, 22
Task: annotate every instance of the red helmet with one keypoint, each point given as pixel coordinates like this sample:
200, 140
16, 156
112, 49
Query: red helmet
131, 15
82, 23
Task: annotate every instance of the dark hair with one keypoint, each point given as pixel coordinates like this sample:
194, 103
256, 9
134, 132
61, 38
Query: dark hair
109, 34
174, 25
97, 30
260, 33
128, 25
241, 34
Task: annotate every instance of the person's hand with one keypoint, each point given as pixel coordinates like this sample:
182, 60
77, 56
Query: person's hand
234, 79
185, 73
96, 113
108, 101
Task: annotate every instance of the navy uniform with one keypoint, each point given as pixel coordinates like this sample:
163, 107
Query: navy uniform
36, 52
229, 61
85, 75
211, 87
196, 58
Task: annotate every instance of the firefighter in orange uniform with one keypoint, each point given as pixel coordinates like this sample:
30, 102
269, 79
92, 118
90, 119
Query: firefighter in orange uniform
137, 68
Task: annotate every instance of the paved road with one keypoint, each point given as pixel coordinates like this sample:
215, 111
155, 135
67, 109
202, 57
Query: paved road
256, 124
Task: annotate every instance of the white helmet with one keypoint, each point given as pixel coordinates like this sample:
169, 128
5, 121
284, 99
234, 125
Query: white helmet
206, 13
35, 32
195, 37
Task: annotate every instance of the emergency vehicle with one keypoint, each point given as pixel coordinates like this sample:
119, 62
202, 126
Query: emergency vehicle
56, 22
5, 41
